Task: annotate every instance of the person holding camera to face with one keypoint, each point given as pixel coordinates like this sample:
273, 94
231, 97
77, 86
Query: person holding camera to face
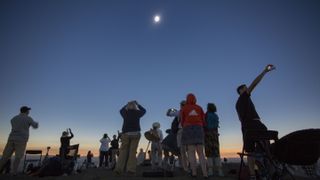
104, 150
130, 136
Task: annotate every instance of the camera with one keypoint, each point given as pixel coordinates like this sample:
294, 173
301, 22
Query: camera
271, 67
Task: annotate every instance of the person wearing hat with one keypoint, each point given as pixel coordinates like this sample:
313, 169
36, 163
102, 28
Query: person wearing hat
18, 138
156, 148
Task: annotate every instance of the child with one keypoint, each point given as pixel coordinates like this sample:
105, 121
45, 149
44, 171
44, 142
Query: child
156, 148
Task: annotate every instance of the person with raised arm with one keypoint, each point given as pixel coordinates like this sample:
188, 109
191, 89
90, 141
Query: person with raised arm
248, 116
65, 142
18, 138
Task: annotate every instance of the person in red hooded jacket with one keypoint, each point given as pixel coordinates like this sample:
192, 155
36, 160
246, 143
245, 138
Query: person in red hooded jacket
192, 121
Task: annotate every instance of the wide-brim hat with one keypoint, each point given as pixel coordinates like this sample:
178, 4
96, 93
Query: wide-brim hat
151, 136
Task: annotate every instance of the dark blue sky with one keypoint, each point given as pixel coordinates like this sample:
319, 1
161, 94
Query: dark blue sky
76, 63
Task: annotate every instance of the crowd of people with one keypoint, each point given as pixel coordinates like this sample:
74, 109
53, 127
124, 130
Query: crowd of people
192, 132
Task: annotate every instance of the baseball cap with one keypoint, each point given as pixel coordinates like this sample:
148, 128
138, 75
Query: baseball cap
24, 109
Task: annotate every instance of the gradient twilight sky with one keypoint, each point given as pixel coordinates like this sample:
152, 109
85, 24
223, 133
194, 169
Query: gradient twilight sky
76, 63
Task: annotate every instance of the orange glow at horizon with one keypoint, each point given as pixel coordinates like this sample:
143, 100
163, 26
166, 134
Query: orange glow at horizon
83, 150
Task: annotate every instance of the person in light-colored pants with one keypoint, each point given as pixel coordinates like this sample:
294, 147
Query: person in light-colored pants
18, 138
19, 149
183, 159
127, 157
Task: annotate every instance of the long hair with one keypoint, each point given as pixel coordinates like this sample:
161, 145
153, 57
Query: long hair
211, 107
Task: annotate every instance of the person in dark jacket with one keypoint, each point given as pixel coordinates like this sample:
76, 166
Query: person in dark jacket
114, 150
131, 114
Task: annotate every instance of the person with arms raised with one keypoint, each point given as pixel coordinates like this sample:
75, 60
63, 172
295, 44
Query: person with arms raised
130, 136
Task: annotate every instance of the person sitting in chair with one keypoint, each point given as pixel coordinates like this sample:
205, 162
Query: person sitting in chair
248, 116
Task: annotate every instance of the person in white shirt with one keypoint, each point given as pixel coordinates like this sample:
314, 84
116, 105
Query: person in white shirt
156, 148
104, 150
18, 138
141, 157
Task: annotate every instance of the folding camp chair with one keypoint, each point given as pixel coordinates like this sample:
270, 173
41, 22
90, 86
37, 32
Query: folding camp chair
70, 160
72, 152
35, 157
257, 136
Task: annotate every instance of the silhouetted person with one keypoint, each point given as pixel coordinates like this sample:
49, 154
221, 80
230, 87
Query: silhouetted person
65, 143
131, 114
114, 150
18, 138
225, 160
104, 150
89, 159
248, 116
